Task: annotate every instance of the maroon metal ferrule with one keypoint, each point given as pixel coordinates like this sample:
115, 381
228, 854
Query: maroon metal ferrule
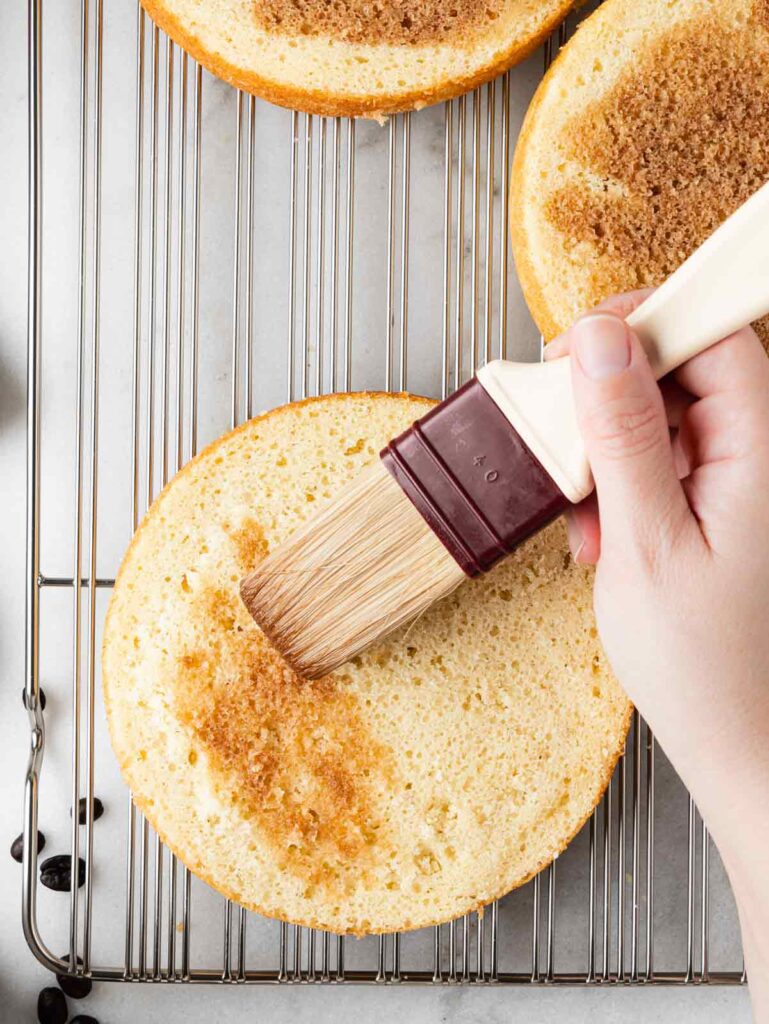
472, 478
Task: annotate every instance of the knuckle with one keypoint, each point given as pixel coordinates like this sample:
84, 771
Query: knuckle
625, 427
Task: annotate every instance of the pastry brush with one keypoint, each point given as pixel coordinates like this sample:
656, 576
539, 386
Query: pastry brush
481, 472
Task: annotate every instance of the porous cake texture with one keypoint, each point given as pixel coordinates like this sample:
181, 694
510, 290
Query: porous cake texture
650, 129
357, 57
429, 776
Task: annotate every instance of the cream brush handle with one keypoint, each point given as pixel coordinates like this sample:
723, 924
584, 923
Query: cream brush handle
724, 285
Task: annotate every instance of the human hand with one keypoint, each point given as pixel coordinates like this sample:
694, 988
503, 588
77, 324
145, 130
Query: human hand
679, 531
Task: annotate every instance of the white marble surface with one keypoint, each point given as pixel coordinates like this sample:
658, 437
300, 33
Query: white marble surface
20, 975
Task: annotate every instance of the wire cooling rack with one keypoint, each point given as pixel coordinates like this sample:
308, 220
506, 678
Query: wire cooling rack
196, 256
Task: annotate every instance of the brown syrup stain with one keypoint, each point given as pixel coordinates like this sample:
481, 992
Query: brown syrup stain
681, 141
378, 21
293, 756
250, 543
761, 13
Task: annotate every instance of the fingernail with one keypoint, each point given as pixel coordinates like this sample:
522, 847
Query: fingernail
602, 344
557, 348
576, 540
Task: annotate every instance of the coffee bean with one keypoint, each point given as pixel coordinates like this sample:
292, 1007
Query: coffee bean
56, 872
75, 986
17, 846
51, 1006
83, 1018
40, 698
98, 809
66, 958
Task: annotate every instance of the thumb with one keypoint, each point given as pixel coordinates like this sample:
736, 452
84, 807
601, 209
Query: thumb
622, 418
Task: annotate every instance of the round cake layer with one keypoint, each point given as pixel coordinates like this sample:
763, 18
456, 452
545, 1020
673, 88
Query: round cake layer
649, 130
357, 57
429, 776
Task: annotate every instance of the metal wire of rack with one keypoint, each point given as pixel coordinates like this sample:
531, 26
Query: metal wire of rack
611, 911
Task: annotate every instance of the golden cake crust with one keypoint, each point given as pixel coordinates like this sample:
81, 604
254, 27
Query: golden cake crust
411, 786
372, 101
651, 127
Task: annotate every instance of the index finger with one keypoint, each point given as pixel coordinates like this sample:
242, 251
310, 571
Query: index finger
738, 363
620, 305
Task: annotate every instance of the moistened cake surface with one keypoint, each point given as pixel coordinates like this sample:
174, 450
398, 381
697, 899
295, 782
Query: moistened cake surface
652, 127
381, 21
357, 57
429, 776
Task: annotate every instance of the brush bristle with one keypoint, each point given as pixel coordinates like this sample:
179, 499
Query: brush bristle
365, 565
